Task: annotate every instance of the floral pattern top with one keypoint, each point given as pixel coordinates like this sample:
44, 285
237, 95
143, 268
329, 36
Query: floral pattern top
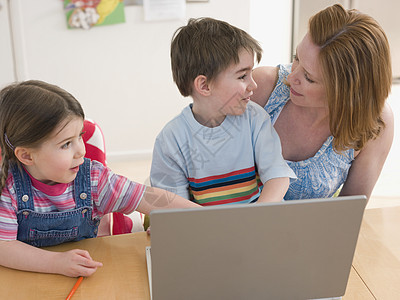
319, 176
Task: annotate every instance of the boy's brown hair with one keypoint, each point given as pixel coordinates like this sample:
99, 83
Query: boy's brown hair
207, 46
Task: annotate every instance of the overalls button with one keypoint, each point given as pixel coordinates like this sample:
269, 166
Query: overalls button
83, 196
84, 211
25, 213
25, 198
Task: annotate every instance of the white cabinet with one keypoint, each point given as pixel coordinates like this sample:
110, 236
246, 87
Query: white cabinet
6, 55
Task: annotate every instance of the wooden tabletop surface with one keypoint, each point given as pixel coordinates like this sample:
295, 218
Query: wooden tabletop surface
375, 273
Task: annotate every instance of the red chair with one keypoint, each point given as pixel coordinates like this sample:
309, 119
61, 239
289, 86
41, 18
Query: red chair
113, 223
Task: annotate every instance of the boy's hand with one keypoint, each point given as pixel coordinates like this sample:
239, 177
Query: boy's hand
76, 263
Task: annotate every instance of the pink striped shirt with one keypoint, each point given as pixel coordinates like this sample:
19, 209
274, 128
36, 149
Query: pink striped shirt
110, 193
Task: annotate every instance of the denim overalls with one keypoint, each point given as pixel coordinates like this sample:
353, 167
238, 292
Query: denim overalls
52, 228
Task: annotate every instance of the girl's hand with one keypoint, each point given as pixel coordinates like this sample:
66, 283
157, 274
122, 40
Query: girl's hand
76, 263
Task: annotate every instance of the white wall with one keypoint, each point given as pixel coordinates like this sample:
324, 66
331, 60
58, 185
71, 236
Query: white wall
121, 73
6, 52
271, 24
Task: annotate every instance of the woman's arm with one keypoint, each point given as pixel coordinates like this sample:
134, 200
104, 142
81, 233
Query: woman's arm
21, 256
156, 198
265, 78
368, 164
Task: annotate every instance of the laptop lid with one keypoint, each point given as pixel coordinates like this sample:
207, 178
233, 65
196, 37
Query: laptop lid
301, 249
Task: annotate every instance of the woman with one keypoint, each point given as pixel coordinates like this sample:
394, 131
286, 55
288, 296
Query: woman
329, 109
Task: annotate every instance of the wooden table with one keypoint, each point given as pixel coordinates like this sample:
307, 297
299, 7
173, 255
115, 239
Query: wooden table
123, 275
375, 273
377, 257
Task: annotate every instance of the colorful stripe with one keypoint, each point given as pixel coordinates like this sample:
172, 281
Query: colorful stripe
110, 192
242, 186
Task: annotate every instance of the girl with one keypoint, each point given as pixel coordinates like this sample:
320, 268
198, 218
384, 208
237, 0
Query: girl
50, 193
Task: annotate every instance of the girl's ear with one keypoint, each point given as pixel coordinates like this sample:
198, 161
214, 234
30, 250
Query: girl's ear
201, 85
24, 155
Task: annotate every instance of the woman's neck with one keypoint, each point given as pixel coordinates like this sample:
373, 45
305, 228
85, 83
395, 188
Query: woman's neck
313, 117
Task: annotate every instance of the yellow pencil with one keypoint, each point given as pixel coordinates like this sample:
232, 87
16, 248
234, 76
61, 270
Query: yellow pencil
75, 287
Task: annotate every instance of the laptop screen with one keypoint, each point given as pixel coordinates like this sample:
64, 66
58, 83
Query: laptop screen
300, 249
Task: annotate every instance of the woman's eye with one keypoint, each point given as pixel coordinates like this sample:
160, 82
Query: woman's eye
308, 78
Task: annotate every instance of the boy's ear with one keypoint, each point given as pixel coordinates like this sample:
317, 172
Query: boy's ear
24, 155
201, 85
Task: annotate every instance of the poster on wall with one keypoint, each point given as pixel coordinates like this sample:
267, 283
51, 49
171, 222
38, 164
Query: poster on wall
88, 13
160, 10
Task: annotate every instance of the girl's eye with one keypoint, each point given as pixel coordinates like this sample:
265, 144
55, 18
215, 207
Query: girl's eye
66, 145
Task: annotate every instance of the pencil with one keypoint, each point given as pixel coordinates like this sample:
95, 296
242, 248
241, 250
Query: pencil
75, 287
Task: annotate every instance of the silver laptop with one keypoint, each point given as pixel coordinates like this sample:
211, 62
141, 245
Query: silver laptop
300, 249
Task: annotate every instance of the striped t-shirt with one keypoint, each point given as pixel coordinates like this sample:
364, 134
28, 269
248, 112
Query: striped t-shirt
234, 187
218, 165
110, 193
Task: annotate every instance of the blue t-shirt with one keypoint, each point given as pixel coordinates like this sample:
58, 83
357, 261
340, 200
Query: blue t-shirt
219, 165
319, 176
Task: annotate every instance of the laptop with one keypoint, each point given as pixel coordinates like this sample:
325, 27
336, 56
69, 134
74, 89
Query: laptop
300, 249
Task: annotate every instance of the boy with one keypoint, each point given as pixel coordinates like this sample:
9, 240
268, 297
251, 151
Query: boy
213, 152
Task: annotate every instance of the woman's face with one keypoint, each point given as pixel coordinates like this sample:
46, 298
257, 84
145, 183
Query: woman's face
305, 80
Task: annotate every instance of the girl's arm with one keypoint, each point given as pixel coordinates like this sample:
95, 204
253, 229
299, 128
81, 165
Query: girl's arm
21, 256
368, 164
156, 198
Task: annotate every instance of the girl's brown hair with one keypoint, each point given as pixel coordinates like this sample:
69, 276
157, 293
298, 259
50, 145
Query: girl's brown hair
29, 112
356, 67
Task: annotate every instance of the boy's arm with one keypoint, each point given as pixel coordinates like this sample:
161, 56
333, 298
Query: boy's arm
274, 190
168, 165
21, 256
272, 168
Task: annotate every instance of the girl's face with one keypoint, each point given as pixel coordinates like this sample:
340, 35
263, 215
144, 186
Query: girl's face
57, 159
306, 86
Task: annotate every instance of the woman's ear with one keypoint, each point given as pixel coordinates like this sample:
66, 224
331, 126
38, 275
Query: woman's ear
201, 85
24, 155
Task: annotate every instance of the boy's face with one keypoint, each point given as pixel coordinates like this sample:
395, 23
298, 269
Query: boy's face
232, 88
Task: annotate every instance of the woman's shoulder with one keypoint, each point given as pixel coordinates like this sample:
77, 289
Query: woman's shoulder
266, 79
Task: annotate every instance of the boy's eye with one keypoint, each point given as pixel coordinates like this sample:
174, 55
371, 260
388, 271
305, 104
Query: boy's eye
81, 134
242, 77
295, 58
